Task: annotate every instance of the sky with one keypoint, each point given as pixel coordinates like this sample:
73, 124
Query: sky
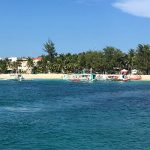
73, 25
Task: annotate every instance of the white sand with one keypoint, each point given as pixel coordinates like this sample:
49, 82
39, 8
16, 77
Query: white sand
145, 77
34, 76
51, 76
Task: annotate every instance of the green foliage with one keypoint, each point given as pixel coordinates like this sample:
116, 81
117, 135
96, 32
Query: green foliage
49, 48
3, 66
30, 62
113, 58
142, 58
42, 66
131, 59
108, 60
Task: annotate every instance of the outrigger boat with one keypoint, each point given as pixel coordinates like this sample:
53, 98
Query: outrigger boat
105, 77
81, 77
135, 77
121, 78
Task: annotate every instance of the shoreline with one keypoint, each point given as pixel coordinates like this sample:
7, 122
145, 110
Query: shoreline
145, 78
52, 76
33, 76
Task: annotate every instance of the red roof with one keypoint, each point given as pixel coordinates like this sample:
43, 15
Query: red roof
38, 58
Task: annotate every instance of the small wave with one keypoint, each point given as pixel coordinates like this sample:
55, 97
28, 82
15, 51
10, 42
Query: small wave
21, 109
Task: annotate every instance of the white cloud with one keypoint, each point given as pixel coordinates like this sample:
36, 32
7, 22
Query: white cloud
135, 7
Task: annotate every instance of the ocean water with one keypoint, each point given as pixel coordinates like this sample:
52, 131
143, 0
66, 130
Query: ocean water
61, 115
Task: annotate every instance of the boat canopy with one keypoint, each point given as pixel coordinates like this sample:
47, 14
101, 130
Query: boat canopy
124, 71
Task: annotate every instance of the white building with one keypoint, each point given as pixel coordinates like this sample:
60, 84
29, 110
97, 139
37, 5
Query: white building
12, 59
23, 66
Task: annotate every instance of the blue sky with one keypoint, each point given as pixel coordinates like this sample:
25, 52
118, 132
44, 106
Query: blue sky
73, 25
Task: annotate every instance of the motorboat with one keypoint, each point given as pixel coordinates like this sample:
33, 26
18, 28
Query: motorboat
16, 77
20, 77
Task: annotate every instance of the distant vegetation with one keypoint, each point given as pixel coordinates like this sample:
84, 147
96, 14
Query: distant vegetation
108, 60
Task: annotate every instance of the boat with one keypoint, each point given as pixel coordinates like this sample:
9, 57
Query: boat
135, 77
122, 78
20, 77
105, 77
16, 77
81, 77
101, 77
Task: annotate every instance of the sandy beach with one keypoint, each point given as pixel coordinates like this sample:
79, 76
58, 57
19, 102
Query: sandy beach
50, 76
145, 77
33, 76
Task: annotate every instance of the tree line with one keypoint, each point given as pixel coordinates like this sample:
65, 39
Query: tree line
108, 60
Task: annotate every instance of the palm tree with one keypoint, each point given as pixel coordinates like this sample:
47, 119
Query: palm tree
49, 48
143, 58
131, 56
30, 64
3, 66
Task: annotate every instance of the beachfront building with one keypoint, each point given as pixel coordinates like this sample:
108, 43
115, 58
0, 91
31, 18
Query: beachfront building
18, 65
36, 60
23, 65
12, 59
12, 64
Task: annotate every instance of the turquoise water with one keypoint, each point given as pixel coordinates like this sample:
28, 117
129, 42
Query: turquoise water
59, 115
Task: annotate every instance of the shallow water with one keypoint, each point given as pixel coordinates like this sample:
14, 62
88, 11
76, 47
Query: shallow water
60, 115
